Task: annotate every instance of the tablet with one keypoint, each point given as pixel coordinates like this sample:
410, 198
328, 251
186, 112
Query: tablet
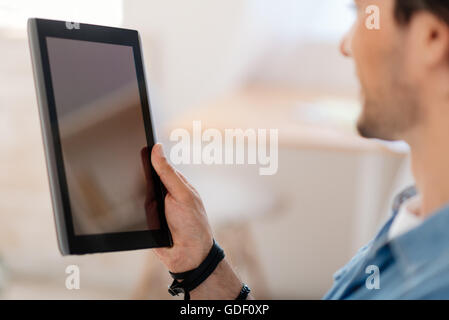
96, 127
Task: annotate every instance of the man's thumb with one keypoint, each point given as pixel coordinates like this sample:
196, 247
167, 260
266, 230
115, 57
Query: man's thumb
174, 184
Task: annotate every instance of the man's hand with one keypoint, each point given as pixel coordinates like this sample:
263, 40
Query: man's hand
186, 217
190, 230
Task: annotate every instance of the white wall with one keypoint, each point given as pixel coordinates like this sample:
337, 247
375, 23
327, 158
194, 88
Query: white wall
199, 49
194, 50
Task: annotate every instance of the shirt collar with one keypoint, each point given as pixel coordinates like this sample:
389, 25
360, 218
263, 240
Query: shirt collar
382, 235
422, 244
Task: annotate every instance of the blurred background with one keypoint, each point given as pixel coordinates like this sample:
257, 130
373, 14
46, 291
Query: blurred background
231, 64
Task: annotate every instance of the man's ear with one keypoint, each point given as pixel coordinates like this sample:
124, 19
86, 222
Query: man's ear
431, 39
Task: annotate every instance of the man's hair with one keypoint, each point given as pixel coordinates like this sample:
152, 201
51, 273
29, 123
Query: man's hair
405, 9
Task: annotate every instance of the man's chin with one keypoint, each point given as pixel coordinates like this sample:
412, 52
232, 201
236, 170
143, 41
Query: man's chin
374, 130
364, 131
369, 126
364, 125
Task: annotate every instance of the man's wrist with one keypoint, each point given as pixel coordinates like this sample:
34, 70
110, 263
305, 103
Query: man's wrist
222, 284
185, 262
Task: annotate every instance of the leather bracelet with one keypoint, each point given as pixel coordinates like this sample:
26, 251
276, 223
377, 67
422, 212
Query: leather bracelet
193, 278
244, 293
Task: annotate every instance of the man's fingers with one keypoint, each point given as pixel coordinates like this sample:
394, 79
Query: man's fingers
174, 184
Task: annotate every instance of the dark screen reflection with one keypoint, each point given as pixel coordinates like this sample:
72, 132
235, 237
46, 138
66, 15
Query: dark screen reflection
102, 134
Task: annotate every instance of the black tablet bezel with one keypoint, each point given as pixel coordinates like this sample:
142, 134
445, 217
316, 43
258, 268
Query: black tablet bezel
82, 244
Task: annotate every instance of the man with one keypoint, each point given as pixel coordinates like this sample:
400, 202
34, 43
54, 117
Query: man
404, 73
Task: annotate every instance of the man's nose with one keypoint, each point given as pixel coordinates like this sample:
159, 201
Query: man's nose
345, 46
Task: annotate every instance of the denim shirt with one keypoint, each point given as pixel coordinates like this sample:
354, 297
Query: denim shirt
414, 265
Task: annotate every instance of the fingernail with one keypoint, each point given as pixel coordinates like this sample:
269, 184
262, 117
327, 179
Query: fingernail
160, 150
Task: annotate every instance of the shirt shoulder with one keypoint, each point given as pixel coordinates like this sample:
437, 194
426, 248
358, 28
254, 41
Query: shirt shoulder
342, 275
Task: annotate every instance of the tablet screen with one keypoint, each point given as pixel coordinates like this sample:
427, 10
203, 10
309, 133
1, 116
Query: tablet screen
102, 133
